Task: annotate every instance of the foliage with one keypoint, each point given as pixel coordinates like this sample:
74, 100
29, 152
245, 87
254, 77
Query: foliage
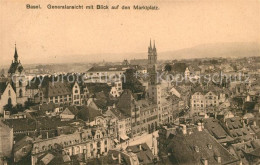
14, 109
168, 67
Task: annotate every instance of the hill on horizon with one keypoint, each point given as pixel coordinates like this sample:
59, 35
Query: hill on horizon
233, 50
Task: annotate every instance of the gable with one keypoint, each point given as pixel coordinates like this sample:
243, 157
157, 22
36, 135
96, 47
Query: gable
67, 112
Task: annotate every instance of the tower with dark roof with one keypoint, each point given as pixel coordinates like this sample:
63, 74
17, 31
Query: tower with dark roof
18, 78
152, 54
15, 55
16, 66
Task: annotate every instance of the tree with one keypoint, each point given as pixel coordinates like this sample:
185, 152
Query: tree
28, 104
8, 107
168, 67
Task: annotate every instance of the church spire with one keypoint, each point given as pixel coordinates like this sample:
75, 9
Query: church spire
15, 55
154, 48
150, 48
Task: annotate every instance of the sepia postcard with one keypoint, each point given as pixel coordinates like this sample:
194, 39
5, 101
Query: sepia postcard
129, 82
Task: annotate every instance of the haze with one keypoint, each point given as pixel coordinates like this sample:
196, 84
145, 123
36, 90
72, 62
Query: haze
45, 36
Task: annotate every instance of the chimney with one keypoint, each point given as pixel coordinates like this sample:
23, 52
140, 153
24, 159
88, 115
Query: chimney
47, 135
119, 158
184, 129
255, 123
197, 149
210, 146
205, 161
243, 123
219, 159
199, 127
140, 147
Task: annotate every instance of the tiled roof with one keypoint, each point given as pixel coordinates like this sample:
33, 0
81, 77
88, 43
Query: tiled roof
14, 66
237, 130
215, 129
249, 106
118, 113
193, 148
31, 125
59, 88
108, 68
143, 152
73, 109
48, 107
22, 143
3, 85
255, 152
95, 88
87, 113
249, 147
67, 112
126, 102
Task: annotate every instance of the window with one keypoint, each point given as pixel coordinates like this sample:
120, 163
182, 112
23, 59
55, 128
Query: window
76, 91
98, 144
20, 93
9, 93
9, 101
20, 83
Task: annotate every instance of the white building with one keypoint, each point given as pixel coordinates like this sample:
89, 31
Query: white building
7, 95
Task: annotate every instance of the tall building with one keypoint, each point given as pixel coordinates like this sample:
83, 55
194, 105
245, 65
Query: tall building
154, 89
18, 79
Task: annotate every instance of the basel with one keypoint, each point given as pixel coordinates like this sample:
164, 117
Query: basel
29, 6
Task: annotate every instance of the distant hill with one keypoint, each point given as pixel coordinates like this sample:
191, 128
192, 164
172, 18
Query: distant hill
233, 49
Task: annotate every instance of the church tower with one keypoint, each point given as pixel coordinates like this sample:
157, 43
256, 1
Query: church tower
154, 88
152, 54
18, 79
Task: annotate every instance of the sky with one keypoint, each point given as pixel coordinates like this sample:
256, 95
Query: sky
46, 36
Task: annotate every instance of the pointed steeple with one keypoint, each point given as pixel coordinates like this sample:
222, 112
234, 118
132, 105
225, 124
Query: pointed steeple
15, 55
154, 48
150, 48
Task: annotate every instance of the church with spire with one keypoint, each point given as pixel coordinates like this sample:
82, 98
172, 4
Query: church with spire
152, 54
16, 66
17, 78
154, 88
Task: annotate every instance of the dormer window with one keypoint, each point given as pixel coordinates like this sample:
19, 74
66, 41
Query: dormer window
197, 149
210, 146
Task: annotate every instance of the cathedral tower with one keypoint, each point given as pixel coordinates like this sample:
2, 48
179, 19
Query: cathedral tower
154, 88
